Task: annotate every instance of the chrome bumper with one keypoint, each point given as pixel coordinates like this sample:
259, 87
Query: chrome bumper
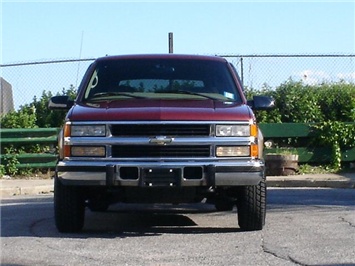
146, 174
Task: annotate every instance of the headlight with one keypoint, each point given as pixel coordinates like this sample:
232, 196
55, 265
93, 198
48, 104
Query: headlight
232, 151
88, 151
88, 131
232, 130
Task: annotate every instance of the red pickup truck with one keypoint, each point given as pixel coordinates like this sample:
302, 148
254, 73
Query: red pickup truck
160, 129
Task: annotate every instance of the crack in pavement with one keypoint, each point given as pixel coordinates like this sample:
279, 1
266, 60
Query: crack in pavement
278, 254
346, 221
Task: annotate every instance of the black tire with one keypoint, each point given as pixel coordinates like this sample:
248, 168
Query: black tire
251, 205
69, 207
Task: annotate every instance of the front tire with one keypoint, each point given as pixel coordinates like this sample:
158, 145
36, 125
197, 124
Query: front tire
251, 205
69, 207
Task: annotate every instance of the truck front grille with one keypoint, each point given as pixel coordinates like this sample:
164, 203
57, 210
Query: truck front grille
123, 130
149, 151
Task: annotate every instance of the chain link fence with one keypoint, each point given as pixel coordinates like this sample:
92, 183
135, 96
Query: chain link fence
258, 71
29, 80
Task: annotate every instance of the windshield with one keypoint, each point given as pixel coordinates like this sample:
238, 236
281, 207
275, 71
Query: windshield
161, 79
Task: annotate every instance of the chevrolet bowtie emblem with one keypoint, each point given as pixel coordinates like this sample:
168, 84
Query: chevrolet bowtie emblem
160, 140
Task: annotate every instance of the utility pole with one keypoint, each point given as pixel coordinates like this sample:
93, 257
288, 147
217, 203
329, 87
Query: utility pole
171, 43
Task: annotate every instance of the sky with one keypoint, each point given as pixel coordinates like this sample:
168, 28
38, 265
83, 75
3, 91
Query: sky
34, 31
37, 30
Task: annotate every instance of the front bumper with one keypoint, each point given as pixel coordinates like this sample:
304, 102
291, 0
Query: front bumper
151, 174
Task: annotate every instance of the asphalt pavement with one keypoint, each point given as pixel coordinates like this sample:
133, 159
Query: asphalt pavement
13, 187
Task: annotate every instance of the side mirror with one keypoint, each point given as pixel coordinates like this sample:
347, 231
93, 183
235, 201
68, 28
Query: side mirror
262, 103
60, 103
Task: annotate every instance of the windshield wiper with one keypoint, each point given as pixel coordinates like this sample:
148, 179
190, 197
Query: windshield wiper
114, 93
193, 93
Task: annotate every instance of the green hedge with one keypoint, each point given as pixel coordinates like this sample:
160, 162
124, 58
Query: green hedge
297, 102
329, 106
37, 114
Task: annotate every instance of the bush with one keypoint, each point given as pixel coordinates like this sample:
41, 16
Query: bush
24, 118
297, 102
337, 102
33, 115
37, 114
329, 106
336, 135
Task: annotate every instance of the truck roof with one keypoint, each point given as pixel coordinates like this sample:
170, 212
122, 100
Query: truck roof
163, 56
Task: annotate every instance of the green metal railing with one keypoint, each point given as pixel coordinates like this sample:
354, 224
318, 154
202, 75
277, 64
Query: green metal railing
305, 133
41, 137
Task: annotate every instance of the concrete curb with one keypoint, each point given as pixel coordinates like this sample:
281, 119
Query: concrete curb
33, 190
10, 188
15, 187
326, 181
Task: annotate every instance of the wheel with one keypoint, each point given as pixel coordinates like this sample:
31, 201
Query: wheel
69, 207
251, 205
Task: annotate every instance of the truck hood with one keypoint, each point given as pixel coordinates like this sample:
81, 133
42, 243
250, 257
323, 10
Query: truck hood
160, 110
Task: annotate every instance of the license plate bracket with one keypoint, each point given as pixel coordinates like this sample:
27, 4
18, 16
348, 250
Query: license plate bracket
153, 177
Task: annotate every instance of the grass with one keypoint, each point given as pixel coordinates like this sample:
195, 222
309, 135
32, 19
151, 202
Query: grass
321, 169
